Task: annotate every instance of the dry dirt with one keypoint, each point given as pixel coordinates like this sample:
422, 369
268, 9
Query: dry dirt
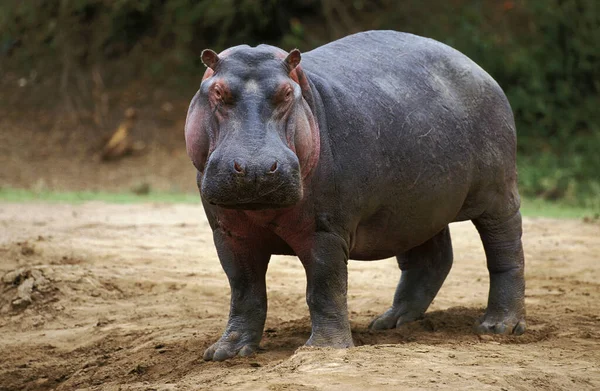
127, 297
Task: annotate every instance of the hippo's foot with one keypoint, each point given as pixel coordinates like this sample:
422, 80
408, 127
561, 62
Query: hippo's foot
394, 317
335, 339
492, 324
234, 344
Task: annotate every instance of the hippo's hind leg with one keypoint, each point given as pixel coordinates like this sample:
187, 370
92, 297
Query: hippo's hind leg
424, 269
501, 237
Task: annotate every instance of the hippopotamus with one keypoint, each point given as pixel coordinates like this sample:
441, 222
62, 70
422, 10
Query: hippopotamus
365, 148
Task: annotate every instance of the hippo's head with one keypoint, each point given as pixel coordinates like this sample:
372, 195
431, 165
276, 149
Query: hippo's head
250, 131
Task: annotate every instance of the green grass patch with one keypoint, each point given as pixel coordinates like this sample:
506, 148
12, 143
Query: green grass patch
23, 195
535, 207
530, 206
570, 178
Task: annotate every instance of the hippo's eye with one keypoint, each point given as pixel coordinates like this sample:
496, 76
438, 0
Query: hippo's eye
218, 93
287, 94
283, 96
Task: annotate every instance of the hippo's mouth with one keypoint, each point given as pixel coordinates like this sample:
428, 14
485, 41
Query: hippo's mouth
252, 206
281, 196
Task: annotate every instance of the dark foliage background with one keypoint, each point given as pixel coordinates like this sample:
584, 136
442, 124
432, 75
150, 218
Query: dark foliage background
544, 53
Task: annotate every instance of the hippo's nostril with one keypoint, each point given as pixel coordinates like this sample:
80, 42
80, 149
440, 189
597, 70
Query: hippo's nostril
273, 168
238, 168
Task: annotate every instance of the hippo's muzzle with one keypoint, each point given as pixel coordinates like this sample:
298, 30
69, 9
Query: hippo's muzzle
253, 182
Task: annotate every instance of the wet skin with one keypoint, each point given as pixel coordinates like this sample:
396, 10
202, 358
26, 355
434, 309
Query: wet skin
364, 148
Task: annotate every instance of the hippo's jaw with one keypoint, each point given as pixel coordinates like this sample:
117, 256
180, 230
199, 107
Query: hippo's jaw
280, 198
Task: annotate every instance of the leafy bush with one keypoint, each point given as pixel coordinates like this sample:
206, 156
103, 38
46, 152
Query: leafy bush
544, 53
97, 30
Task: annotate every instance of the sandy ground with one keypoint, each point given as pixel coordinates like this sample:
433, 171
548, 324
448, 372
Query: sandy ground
127, 297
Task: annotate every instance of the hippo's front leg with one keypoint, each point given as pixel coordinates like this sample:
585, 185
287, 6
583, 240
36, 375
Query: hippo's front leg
326, 265
245, 265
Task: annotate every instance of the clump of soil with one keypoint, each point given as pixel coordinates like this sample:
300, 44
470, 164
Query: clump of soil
24, 286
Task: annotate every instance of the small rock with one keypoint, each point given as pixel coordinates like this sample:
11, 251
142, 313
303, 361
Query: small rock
24, 290
103, 322
18, 304
41, 381
14, 277
139, 369
27, 249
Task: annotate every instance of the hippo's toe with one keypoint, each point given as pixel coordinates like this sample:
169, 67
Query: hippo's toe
383, 322
503, 326
394, 318
227, 348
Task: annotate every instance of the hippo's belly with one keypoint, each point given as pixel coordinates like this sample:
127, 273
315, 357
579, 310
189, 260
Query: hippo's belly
390, 232
371, 243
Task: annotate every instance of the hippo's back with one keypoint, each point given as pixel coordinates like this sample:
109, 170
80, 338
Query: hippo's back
418, 121
401, 87
362, 59
401, 68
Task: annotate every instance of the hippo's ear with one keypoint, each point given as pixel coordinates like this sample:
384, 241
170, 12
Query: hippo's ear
293, 59
209, 58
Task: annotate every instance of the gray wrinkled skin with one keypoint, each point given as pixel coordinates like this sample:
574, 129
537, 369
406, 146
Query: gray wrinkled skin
413, 136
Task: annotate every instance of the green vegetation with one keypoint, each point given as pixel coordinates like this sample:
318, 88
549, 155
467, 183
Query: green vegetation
536, 207
21, 195
570, 178
544, 53
530, 207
